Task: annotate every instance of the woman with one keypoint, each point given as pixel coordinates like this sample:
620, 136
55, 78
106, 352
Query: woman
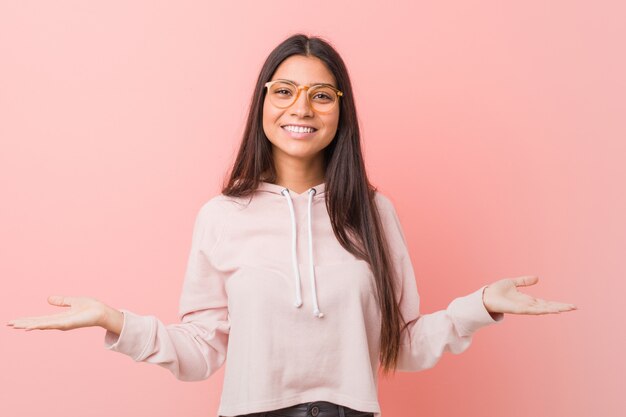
298, 205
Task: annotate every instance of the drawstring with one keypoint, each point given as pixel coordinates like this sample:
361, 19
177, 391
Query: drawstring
294, 255
316, 309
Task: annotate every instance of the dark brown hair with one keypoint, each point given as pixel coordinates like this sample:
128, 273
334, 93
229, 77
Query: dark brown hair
349, 195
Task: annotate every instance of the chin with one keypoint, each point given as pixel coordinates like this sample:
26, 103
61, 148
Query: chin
298, 151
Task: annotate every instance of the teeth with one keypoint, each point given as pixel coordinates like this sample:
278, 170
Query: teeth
298, 129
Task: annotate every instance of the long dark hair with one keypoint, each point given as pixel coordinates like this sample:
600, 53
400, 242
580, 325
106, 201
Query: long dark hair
349, 195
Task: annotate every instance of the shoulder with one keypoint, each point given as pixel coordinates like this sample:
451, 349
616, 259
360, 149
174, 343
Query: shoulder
218, 204
221, 204
214, 213
384, 204
390, 222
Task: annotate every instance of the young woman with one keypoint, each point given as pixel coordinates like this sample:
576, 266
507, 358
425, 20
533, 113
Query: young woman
299, 271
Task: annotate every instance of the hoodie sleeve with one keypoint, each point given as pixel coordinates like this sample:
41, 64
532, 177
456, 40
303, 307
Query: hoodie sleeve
429, 335
196, 347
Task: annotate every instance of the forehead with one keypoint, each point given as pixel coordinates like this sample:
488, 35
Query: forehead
304, 70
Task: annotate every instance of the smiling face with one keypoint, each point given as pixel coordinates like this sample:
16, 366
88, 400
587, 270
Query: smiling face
305, 148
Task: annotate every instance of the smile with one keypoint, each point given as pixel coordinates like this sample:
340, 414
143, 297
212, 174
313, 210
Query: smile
299, 132
299, 129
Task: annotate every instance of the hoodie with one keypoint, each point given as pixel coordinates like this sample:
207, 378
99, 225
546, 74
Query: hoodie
269, 287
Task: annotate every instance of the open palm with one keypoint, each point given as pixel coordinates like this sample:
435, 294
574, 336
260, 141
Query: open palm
503, 297
83, 312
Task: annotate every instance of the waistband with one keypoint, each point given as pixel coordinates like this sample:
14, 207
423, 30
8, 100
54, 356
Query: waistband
313, 409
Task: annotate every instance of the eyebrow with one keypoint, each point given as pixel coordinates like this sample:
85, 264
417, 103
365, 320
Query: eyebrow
318, 83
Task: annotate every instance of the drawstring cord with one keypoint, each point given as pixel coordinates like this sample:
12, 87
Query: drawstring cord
294, 255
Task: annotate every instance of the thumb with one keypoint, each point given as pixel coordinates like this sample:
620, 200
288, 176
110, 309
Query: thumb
525, 280
58, 300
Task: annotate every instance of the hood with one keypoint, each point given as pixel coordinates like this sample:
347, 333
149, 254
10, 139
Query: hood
316, 192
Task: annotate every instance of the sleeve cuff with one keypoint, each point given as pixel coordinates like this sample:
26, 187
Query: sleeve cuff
134, 338
470, 314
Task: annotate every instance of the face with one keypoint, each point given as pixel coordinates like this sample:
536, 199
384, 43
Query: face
302, 70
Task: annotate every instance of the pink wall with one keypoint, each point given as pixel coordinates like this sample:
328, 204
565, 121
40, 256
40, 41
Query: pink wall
497, 128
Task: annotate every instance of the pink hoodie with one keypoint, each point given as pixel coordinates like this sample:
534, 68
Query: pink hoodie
269, 286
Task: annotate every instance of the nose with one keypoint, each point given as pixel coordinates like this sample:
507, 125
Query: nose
301, 106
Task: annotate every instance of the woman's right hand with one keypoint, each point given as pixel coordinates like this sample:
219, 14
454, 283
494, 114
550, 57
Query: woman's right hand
83, 312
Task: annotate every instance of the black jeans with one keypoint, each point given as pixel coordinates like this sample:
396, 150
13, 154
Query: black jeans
313, 409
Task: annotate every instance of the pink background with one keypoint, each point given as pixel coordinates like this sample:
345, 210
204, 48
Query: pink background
496, 128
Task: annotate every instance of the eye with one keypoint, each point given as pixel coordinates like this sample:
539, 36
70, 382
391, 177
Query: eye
282, 90
323, 95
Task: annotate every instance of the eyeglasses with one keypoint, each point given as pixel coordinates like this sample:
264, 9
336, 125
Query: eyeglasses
322, 97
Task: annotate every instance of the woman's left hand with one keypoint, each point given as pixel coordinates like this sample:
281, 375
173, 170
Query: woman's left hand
502, 297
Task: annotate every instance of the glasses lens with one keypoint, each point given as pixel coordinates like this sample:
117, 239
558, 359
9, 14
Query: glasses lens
283, 94
322, 98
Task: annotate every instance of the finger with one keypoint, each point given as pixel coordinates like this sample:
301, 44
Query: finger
547, 308
48, 325
525, 280
54, 300
41, 324
51, 300
561, 306
59, 300
25, 324
556, 304
46, 317
22, 324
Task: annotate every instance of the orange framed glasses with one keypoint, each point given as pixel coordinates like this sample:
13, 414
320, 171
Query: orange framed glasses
322, 97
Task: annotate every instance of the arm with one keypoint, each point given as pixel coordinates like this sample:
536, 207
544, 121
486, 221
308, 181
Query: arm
428, 336
196, 347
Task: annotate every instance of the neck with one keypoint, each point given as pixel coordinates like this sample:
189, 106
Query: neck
299, 175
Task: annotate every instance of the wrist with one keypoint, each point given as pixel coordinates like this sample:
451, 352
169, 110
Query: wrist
493, 315
483, 297
112, 320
